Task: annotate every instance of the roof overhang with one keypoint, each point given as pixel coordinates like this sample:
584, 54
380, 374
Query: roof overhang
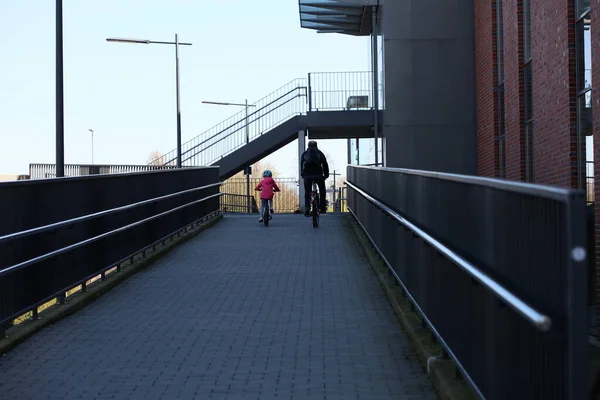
348, 17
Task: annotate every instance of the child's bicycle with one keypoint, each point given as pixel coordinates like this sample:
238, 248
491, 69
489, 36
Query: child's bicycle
266, 209
314, 205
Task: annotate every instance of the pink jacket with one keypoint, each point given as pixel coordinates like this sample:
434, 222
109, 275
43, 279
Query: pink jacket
267, 187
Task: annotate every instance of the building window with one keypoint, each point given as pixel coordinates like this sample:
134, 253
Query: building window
500, 138
585, 138
528, 90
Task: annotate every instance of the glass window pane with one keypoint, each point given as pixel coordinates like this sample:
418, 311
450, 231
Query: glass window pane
527, 30
501, 157
587, 52
528, 91
529, 177
501, 110
500, 40
582, 6
584, 114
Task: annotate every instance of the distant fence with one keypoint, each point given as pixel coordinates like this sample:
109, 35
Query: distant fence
497, 270
238, 203
46, 171
234, 190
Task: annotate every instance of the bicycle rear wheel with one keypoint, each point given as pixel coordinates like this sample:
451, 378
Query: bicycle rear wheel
266, 217
315, 216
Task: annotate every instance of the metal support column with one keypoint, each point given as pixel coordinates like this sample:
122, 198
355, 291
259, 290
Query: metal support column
334, 174
375, 63
248, 171
349, 151
301, 148
309, 94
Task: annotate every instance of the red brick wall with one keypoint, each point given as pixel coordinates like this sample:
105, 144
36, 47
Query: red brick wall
485, 82
554, 92
513, 89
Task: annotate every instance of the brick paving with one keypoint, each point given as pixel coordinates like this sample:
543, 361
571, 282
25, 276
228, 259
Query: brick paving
240, 312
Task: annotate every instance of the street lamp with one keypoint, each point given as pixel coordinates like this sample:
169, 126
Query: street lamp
91, 130
60, 115
177, 44
247, 141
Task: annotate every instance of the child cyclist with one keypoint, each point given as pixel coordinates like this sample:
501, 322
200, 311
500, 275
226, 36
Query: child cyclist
267, 187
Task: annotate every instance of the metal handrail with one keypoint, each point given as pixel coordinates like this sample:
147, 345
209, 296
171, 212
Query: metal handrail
72, 221
297, 88
96, 238
549, 192
537, 319
237, 130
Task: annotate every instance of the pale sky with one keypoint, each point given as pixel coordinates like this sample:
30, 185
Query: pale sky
126, 92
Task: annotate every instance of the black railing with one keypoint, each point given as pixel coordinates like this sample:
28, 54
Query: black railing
237, 203
495, 268
62, 232
340, 90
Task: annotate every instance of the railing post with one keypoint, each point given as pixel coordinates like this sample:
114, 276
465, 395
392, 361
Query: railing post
576, 263
61, 299
248, 197
301, 148
375, 72
309, 94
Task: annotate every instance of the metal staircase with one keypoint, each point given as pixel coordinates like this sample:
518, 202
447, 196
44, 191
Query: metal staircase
319, 92
238, 130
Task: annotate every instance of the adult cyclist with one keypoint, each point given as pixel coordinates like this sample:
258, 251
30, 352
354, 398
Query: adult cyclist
314, 168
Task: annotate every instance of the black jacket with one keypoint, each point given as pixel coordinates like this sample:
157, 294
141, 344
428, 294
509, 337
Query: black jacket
310, 172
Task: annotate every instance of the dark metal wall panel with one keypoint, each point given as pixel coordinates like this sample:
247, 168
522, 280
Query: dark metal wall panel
430, 85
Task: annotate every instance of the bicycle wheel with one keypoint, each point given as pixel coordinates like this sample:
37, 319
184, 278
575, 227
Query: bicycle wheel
315, 216
266, 217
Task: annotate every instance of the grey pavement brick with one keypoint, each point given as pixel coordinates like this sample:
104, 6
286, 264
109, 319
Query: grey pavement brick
240, 312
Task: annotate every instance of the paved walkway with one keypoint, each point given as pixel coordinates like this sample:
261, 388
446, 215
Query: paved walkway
240, 312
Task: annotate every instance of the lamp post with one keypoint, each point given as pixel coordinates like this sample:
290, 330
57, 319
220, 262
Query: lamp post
247, 141
374, 56
176, 43
60, 122
91, 130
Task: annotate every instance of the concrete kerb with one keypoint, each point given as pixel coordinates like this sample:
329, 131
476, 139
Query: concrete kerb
441, 371
76, 301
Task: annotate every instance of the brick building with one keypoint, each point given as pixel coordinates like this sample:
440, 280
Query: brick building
497, 88
533, 64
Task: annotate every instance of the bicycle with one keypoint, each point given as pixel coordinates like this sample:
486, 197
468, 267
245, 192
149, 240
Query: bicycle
266, 209
314, 205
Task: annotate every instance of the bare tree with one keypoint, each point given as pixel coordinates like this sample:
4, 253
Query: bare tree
155, 158
258, 168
